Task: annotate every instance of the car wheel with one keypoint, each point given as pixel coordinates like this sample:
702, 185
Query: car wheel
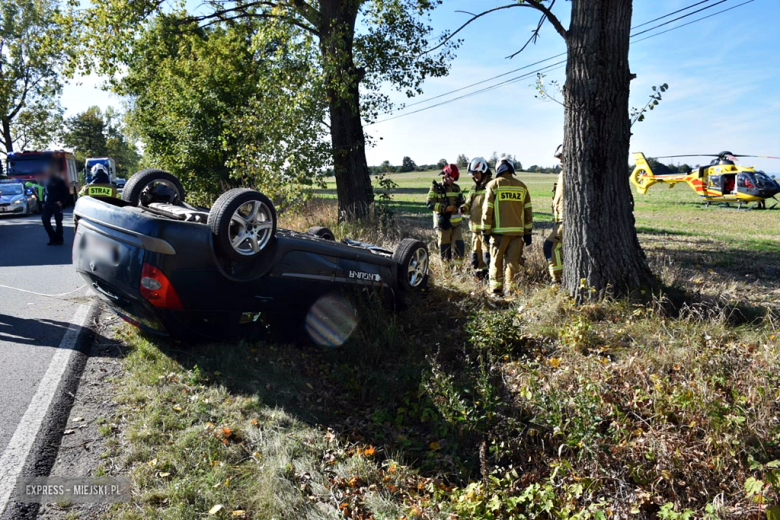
153, 185
322, 232
413, 259
243, 222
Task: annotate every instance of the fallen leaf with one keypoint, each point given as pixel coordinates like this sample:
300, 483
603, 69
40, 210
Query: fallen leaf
435, 446
555, 362
255, 422
68, 432
239, 513
78, 419
153, 462
226, 432
164, 474
216, 509
177, 408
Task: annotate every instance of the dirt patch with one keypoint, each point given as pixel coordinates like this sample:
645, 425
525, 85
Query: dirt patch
85, 449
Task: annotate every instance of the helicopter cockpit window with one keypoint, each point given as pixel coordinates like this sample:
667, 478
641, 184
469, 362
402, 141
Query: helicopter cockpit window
744, 181
763, 180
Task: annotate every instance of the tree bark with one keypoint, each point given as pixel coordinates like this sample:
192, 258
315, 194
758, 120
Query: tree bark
353, 183
8, 142
601, 248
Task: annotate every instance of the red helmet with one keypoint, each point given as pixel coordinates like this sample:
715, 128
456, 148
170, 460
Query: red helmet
451, 171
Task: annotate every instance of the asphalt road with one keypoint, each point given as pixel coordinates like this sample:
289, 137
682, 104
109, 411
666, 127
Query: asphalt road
33, 326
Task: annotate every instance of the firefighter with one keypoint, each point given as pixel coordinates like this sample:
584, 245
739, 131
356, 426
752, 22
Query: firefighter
507, 218
480, 249
553, 246
445, 200
100, 183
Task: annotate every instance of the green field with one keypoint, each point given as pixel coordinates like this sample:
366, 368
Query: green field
674, 212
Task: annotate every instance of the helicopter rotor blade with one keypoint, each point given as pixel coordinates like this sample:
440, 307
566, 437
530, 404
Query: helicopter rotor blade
688, 155
759, 156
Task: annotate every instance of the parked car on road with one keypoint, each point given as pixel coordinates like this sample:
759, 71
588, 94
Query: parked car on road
172, 268
16, 199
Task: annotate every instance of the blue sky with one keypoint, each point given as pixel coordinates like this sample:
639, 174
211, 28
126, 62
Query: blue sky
723, 75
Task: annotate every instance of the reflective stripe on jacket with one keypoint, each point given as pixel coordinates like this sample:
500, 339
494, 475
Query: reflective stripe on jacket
507, 208
103, 190
557, 206
440, 197
474, 201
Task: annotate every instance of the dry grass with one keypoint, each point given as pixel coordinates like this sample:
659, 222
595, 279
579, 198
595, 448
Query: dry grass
461, 407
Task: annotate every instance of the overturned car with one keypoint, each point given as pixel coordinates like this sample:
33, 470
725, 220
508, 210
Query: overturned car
175, 269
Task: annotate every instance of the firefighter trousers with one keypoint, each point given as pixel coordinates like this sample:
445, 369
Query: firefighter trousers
506, 256
480, 253
449, 238
553, 252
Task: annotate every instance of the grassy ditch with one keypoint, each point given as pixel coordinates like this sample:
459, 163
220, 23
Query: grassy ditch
460, 407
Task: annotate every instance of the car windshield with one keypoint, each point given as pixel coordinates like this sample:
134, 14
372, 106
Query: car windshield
11, 189
28, 166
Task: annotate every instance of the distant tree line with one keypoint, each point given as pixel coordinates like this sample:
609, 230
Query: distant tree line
462, 161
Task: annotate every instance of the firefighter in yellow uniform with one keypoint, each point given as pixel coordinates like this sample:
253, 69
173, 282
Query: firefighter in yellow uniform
445, 200
480, 249
100, 185
507, 217
553, 246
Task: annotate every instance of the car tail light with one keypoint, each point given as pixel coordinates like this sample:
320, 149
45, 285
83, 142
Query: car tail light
157, 289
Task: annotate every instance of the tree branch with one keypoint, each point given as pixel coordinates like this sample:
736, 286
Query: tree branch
537, 4
474, 17
534, 4
242, 11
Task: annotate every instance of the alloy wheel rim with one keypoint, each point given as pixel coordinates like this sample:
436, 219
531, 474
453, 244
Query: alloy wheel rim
418, 267
251, 226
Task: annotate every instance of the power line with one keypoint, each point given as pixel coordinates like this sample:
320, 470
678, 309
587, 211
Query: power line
678, 18
549, 69
669, 14
486, 89
428, 100
693, 21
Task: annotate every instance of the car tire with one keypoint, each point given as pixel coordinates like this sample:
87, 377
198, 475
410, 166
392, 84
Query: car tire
321, 232
245, 213
135, 187
413, 262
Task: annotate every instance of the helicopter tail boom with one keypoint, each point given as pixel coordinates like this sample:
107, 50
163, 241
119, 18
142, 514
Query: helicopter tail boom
643, 176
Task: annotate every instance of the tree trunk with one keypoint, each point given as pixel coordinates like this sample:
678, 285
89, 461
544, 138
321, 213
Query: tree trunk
353, 183
601, 248
8, 142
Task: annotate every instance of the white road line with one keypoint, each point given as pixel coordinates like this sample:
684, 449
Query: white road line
18, 449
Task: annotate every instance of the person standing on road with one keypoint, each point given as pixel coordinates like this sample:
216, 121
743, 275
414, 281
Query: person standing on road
445, 200
553, 246
55, 195
480, 249
507, 218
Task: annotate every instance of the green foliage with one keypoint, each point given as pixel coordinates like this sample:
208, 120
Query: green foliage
384, 197
35, 47
462, 161
93, 133
407, 165
270, 78
222, 107
638, 114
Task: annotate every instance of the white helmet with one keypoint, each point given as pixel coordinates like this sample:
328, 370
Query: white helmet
478, 164
97, 169
559, 152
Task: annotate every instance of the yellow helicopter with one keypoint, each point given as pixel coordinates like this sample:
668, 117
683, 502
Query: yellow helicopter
720, 181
